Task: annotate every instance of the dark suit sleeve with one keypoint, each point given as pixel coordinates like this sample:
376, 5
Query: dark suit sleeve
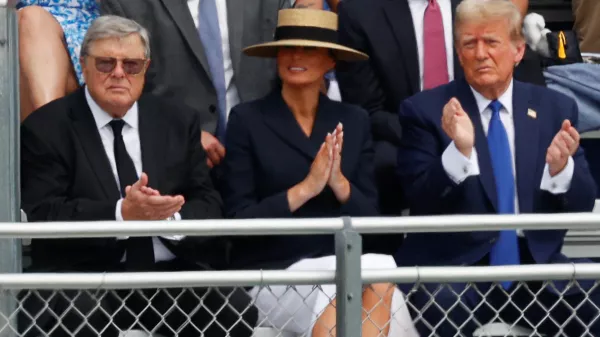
112, 7
427, 185
363, 194
202, 199
240, 186
45, 180
582, 193
359, 83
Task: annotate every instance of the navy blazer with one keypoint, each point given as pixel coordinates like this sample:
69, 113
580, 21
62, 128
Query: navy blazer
268, 153
432, 192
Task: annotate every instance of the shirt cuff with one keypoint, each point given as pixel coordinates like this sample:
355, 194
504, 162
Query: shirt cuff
561, 182
457, 166
119, 217
175, 237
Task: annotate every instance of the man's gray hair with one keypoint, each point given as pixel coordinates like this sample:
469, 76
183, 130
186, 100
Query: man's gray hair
487, 10
111, 26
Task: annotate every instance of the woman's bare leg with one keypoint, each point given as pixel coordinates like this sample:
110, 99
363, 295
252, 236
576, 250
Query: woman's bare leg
325, 324
46, 69
377, 306
377, 303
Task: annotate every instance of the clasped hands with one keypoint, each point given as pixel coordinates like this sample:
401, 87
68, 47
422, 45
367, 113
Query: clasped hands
458, 126
145, 203
326, 168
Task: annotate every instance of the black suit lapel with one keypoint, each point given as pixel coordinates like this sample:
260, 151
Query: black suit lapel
326, 121
89, 138
281, 121
180, 13
279, 118
400, 19
526, 146
486, 174
153, 140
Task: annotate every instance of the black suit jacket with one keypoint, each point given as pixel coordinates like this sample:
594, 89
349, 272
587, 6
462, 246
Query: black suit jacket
66, 175
384, 30
268, 153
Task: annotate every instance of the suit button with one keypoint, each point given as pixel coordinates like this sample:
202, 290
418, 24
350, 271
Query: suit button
493, 240
212, 108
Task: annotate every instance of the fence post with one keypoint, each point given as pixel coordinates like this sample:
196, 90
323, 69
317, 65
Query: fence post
10, 249
348, 250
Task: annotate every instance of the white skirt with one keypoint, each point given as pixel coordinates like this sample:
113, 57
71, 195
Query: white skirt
296, 309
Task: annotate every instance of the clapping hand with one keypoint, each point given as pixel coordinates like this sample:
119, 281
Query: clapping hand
458, 126
320, 170
337, 182
144, 203
563, 146
326, 168
324, 171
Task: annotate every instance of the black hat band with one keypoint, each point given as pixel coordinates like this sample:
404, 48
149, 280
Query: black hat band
306, 33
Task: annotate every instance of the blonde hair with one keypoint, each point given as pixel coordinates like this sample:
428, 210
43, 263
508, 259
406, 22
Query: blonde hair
477, 11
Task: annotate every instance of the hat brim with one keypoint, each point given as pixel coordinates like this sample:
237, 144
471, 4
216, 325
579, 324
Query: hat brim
269, 49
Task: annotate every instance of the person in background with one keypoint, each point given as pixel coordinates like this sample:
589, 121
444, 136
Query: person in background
411, 49
297, 154
490, 144
587, 24
50, 36
198, 55
107, 152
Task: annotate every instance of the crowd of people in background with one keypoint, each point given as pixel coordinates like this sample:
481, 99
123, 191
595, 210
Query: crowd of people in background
208, 109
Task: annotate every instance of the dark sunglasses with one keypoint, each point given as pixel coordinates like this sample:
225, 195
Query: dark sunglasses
108, 64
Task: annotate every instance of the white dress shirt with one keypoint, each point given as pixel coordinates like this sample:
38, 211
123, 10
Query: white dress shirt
459, 167
417, 10
231, 96
131, 138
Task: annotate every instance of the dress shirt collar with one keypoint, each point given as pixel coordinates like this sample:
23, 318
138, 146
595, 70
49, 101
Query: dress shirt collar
505, 99
102, 118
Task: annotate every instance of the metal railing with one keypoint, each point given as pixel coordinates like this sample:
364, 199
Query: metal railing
348, 277
10, 249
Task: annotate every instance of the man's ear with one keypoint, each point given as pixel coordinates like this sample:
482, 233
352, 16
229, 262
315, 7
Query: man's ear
520, 47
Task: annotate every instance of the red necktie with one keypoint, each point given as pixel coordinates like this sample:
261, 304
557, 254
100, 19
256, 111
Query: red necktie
435, 64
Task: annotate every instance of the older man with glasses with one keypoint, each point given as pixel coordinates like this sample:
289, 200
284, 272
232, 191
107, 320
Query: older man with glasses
109, 153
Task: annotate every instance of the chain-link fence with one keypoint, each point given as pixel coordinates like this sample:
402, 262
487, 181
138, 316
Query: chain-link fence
345, 299
544, 300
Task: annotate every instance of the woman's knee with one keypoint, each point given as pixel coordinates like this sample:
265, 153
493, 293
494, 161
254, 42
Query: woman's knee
382, 289
379, 292
37, 20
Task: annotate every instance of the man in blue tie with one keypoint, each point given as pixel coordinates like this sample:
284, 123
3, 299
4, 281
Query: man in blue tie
489, 144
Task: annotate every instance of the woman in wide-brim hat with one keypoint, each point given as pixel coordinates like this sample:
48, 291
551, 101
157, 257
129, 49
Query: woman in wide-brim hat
297, 154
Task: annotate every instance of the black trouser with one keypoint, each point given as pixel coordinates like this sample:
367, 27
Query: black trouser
170, 312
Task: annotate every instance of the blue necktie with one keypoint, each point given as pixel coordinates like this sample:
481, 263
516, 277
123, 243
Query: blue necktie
210, 35
506, 249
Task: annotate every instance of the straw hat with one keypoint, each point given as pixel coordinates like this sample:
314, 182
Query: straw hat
306, 28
